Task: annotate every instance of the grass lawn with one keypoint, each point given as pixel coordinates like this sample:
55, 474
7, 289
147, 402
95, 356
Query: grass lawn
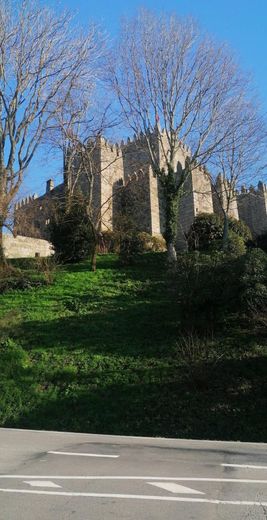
97, 352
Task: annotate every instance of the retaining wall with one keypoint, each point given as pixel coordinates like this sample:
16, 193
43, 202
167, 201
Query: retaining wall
25, 247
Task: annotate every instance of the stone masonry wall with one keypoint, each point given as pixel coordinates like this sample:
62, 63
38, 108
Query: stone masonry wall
32, 215
223, 198
202, 193
128, 164
252, 208
111, 174
137, 178
26, 247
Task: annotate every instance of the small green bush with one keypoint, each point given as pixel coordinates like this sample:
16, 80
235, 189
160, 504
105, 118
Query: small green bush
236, 244
142, 242
71, 232
240, 228
205, 230
150, 243
206, 234
132, 244
158, 244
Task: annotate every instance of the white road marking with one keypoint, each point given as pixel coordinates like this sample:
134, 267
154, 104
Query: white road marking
250, 466
84, 454
176, 488
147, 478
138, 497
42, 483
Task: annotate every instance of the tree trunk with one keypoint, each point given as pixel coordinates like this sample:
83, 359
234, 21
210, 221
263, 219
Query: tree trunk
225, 239
95, 238
172, 199
2, 253
94, 257
94, 250
172, 255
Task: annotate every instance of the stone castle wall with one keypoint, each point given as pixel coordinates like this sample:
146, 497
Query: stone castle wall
202, 192
32, 215
110, 174
26, 247
252, 208
224, 199
137, 179
128, 165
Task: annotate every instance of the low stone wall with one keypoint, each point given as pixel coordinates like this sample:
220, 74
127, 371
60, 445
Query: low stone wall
25, 247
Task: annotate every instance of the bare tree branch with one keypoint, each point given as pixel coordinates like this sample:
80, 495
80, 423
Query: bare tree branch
43, 61
166, 74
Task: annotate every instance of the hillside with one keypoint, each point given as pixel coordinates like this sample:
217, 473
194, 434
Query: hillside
97, 352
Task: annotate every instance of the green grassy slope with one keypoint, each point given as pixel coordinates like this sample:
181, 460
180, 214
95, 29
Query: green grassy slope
96, 352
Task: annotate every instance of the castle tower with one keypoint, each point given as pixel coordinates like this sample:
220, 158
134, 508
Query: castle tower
148, 196
252, 207
224, 198
110, 180
104, 171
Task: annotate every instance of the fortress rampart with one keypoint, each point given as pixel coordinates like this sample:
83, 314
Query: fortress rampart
128, 164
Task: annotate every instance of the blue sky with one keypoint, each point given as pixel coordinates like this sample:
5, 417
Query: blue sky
242, 23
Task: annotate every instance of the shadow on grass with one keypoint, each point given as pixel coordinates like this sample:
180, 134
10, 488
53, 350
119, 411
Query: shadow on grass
128, 328
232, 406
129, 312
143, 264
102, 363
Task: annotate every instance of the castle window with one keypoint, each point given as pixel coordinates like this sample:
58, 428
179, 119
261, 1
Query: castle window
40, 208
47, 221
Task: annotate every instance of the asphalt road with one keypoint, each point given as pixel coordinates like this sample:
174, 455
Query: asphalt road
56, 476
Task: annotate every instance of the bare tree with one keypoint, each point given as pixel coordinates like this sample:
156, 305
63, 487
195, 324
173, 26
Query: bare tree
93, 168
240, 161
166, 74
43, 59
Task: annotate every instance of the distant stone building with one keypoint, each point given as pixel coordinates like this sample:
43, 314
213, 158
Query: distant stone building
128, 164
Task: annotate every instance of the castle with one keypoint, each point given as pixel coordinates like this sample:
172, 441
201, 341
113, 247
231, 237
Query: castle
128, 165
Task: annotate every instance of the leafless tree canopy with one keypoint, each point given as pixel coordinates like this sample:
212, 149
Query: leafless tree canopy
43, 61
167, 71
243, 158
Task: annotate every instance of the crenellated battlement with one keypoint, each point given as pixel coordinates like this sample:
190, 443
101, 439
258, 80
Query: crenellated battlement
121, 163
259, 190
26, 201
137, 140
